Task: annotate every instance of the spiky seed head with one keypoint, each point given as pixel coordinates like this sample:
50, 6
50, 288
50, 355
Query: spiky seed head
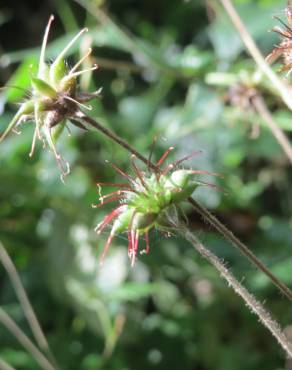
55, 99
148, 201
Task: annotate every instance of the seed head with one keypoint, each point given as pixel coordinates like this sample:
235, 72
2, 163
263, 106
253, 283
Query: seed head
148, 200
55, 99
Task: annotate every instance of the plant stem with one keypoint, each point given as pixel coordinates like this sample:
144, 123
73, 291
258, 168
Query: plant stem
212, 220
24, 301
262, 109
256, 54
224, 231
5, 366
118, 140
13, 328
255, 306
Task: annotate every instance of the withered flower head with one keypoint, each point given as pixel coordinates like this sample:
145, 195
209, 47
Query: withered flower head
241, 95
55, 99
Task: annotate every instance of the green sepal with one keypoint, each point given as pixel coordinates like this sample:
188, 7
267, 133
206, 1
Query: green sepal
144, 221
122, 222
184, 194
68, 84
180, 186
25, 109
43, 88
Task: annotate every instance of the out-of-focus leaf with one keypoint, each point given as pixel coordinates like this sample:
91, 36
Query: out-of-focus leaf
21, 79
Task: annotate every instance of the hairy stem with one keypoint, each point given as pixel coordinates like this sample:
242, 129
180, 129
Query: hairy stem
262, 109
211, 219
228, 234
24, 301
256, 54
110, 134
14, 329
256, 307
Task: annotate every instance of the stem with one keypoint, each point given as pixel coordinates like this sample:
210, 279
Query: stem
262, 109
228, 235
213, 221
5, 366
23, 299
256, 54
118, 140
256, 307
14, 329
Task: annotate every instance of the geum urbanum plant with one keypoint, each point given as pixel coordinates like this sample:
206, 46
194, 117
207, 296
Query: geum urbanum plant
54, 100
149, 200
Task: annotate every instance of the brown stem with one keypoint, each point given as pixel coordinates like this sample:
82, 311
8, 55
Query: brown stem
118, 140
228, 234
213, 221
262, 109
5, 366
255, 306
14, 329
24, 302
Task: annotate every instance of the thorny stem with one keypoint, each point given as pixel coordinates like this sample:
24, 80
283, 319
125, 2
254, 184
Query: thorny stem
212, 220
5, 366
256, 54
262, 109
24, 301
13, 328
256, 307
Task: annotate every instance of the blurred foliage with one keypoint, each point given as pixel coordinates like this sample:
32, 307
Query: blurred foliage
166, 68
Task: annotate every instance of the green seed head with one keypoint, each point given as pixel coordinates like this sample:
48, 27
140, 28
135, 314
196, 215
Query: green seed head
151, 200
55, 100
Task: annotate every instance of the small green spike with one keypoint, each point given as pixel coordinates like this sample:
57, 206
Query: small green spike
43, 68
58, 65
25, 109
